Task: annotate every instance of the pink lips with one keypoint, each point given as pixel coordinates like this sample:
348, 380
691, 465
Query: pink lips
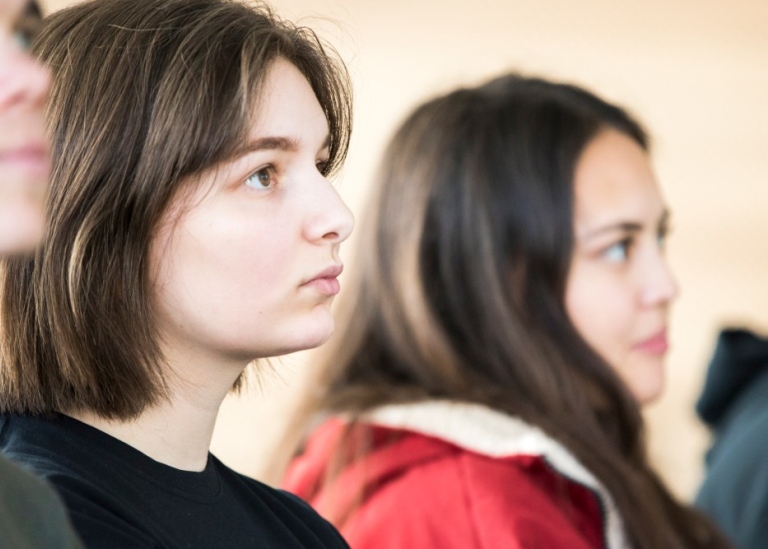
326, 281
29, 158
654, 345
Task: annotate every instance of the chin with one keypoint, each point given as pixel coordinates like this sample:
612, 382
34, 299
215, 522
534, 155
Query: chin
20, 231
319, 336
310, 335
645, 376
649, 397
650, 389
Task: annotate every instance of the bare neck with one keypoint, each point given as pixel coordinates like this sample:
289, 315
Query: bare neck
178, 431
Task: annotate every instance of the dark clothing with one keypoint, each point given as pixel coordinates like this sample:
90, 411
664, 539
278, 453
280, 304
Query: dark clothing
734, 404
31, 513
120, 498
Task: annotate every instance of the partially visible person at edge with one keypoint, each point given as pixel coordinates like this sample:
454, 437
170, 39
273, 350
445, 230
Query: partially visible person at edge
509, 319
192, 230
31, 514
734, 403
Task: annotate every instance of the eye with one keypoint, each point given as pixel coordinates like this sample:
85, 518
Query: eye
661, 237
27, 27
262, 179
23, 39
618, 252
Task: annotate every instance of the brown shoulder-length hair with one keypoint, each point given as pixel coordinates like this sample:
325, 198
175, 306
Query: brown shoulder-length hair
460, 294
145, 95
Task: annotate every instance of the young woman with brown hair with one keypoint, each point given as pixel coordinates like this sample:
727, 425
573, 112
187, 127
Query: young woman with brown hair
509, 317
192, 230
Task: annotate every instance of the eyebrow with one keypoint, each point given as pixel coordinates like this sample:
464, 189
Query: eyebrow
624, 227
32, 9
26, 15
276, 144
26, 9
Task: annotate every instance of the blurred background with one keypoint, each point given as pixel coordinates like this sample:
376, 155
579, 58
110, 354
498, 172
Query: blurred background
694, 71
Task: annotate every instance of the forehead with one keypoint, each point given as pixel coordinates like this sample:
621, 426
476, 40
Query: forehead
287, 105
614, 181
11, 9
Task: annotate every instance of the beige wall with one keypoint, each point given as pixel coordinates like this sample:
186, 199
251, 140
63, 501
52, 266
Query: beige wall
696, 71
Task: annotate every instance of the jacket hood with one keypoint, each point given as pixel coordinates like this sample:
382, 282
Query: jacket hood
467, 426
739, 358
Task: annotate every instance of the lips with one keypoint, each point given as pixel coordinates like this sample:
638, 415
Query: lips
31, 158
326, 281
657, 344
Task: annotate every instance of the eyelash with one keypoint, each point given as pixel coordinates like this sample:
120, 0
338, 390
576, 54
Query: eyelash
25, 31
662, 235
269, 169
625, 245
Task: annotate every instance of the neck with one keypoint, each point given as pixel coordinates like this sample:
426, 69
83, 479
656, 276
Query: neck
177, 431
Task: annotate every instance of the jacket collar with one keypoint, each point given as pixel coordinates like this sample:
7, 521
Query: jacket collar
485, 431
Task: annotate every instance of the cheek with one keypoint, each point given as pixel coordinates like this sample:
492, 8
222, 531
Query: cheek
602, 312
244, 272
223, 264
241, 254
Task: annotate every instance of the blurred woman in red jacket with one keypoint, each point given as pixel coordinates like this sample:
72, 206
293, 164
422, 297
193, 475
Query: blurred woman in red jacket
509, 317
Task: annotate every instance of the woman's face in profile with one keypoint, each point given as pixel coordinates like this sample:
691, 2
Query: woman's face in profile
24, 162
619, 286
245, 264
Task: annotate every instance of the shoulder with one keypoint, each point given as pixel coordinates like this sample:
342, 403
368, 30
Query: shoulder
736, 381
735, 488
50, 449
79, 463
43, 447
289, 509
463, 499
440, 474
94, 505
42, 442
736, 465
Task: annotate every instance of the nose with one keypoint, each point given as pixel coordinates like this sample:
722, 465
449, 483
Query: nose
330, 221
661, 287
23, 81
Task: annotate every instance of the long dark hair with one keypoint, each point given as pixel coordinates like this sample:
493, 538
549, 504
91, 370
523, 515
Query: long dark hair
460, 294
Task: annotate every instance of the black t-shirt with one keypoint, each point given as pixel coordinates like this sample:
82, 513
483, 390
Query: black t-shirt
119, 498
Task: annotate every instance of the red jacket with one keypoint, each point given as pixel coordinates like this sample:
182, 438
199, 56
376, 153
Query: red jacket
453, 475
